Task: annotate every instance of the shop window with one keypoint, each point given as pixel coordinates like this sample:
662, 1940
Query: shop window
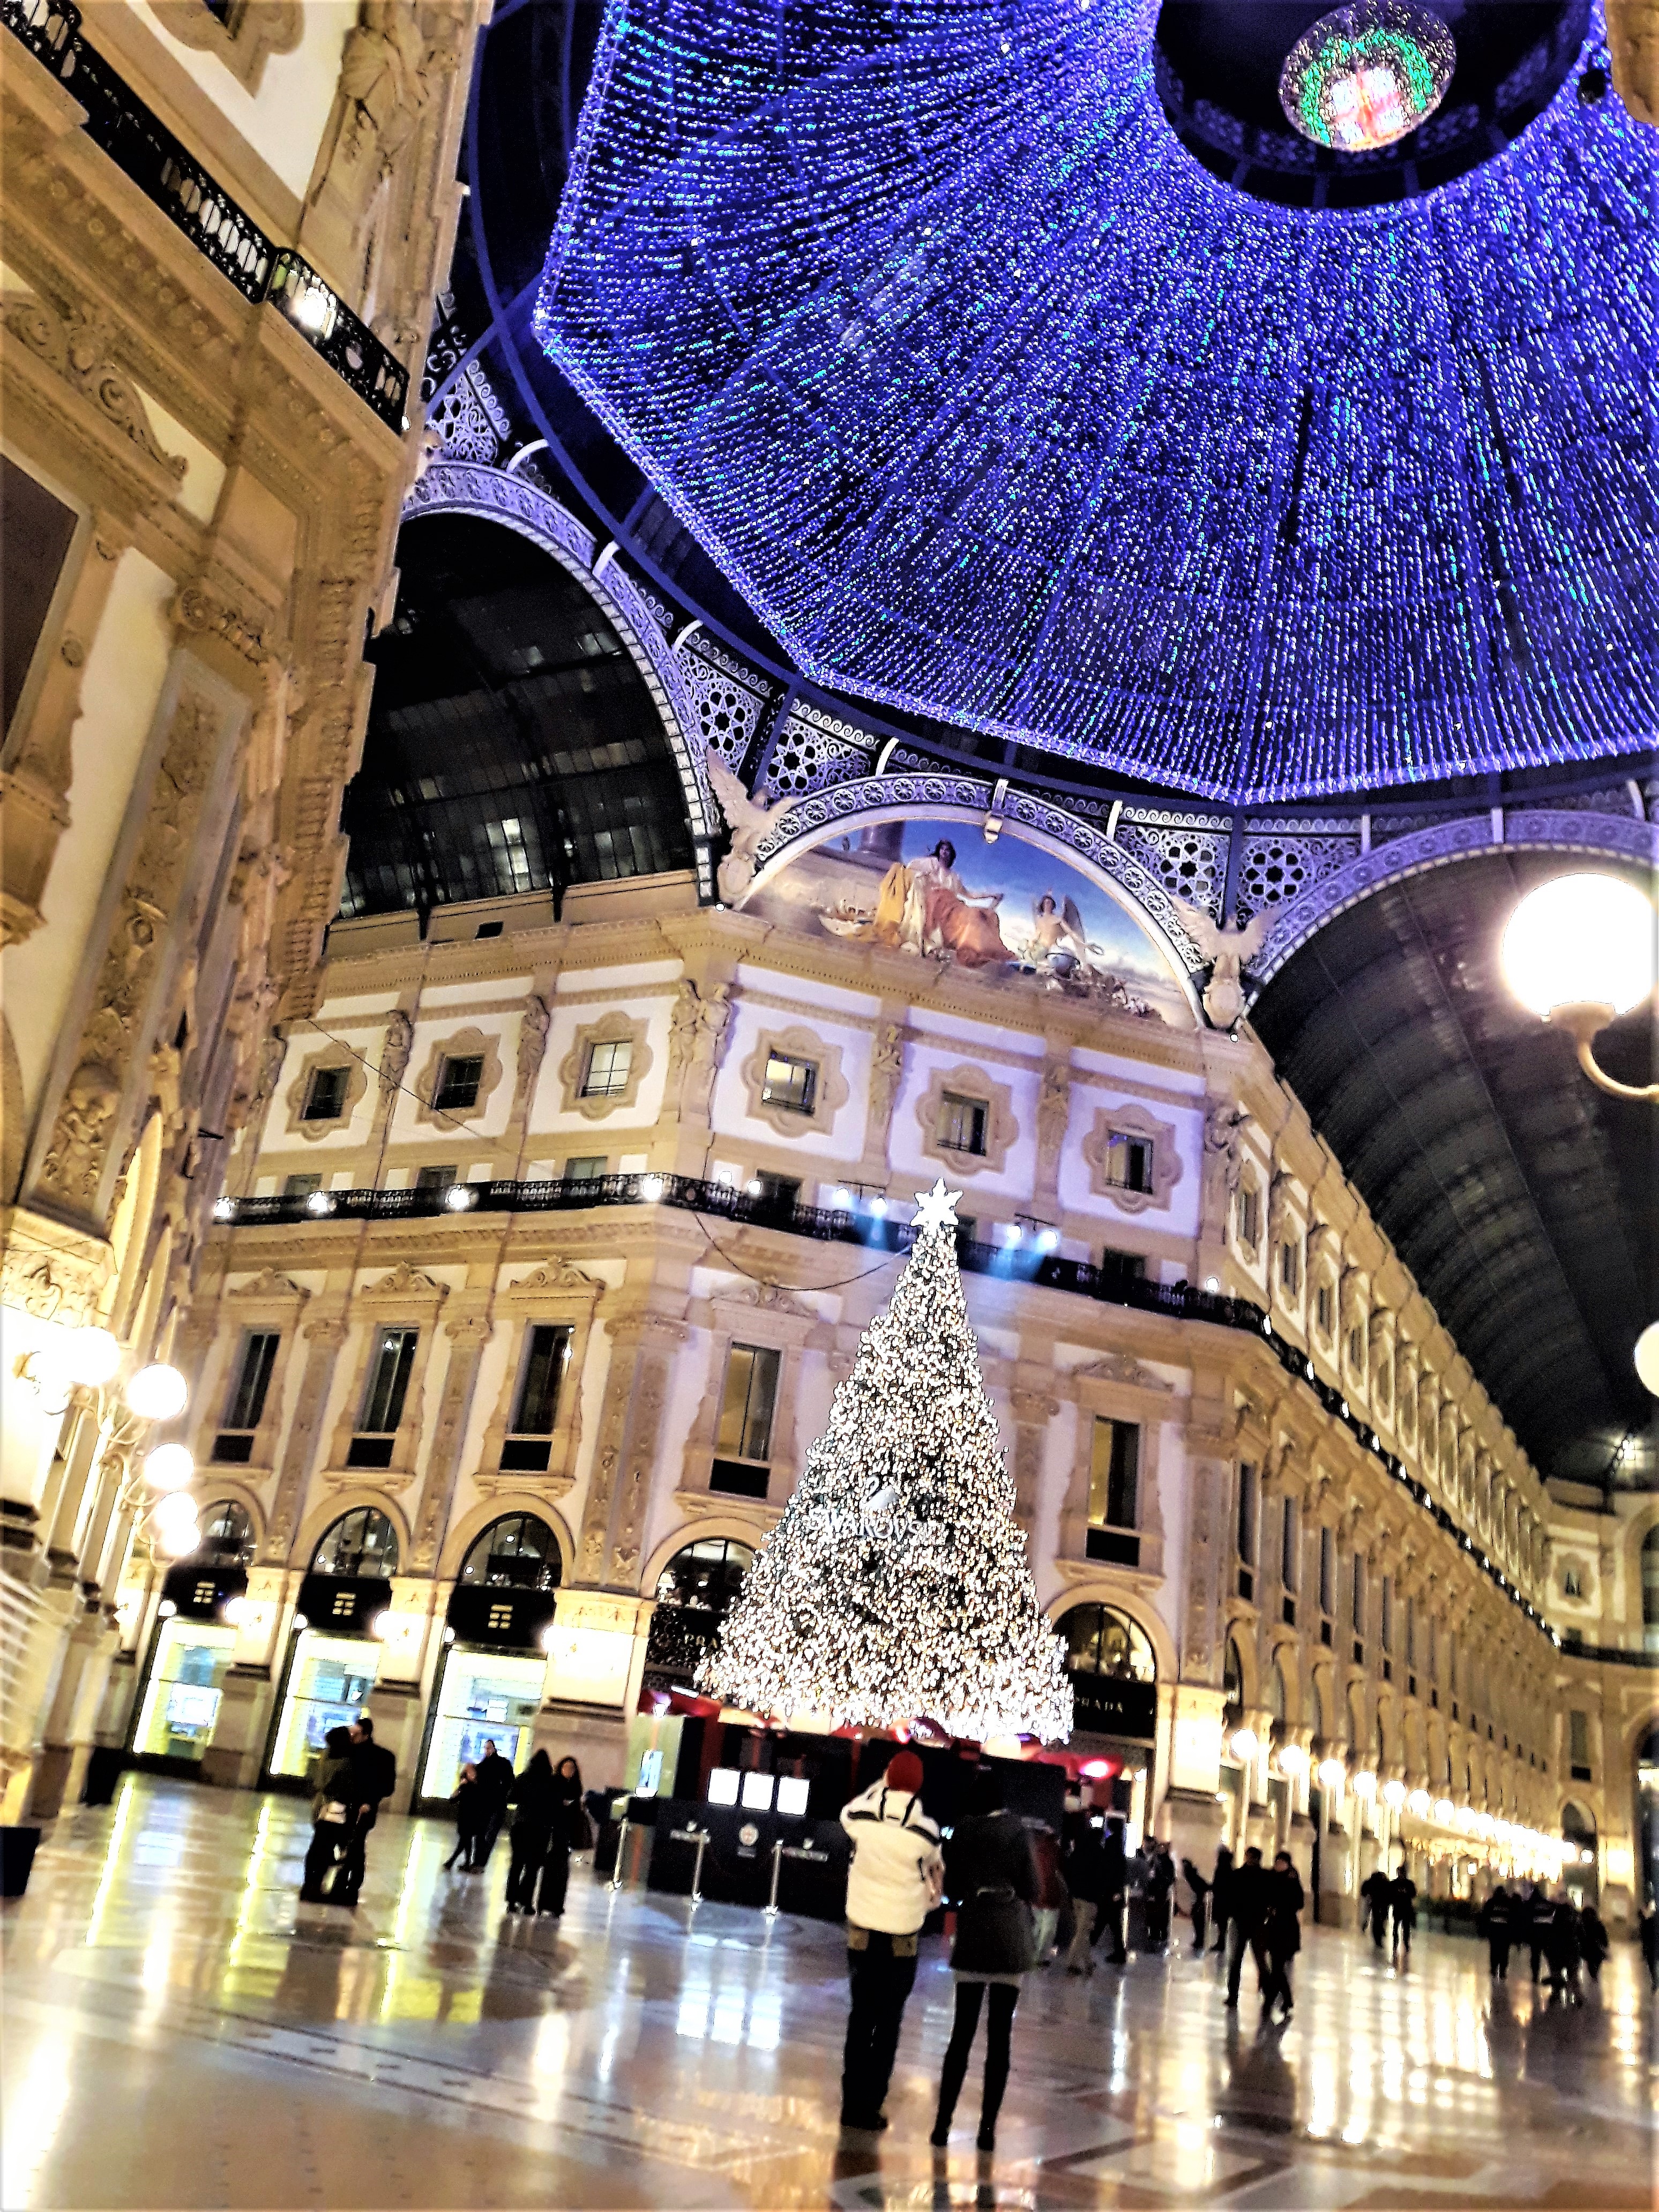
778, 1190
362, 1543
301, 1185
459, 1078
326, 1094
227, 1536
962, 1124
1127, 1162
743, 1443
233, 1445
790, 1084
589, 1167
610, 1062
179, 1709
1099, 1640
329, 1685
1114, 1484
383, 1398
436, 1178
518, 1552
694, 1593
529, 1446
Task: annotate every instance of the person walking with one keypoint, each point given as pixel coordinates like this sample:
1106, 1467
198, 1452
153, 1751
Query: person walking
1114, 1882
1496, 1923
536, 1802
1283, 1900
1592, 1941
1564, 1951
569, 1828
330, 1815
468, 1818
1201, 1889
991, 1877
1377, 1891
1160, 1889
1647, 1934
496, 1792
1402, 1910
893, 1882
1249, 1912
1085, 1868
1540, 1924
1221, 1899
370, 1779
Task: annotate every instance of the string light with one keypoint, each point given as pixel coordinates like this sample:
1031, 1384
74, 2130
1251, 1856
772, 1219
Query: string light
999, 407
895, 1587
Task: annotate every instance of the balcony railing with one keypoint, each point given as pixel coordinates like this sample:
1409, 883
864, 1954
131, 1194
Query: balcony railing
1023, 1263
175, 182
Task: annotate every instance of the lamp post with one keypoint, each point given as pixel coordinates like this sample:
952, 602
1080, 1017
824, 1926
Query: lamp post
85, 1365
1578, 952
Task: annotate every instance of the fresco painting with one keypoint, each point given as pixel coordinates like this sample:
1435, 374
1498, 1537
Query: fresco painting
1004, 910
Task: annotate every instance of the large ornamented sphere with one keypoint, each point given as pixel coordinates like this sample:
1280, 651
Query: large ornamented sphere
1362, 77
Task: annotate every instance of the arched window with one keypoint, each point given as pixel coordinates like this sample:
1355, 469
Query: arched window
1101, 1642
1278, 1698
363, 1542
1233, 1675
516, 1552
1650, 1589
694, 1593
227, 1536
1321, 1707
1578, 1826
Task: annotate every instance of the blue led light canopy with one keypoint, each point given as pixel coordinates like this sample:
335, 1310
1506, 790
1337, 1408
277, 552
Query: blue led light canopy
1000, 406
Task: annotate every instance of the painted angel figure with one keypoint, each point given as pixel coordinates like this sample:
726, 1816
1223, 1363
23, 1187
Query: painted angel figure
1228, 950
1059, 930
748, 819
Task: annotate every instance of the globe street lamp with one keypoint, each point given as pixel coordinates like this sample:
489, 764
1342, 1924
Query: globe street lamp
1578, 952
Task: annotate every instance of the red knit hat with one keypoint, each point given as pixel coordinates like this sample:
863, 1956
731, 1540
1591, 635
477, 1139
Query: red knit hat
904, 1771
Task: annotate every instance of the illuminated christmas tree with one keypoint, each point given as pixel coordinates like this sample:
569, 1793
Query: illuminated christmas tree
895, 1587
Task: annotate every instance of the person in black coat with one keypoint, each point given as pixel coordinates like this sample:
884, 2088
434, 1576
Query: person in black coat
991, 1877
371, 1780
1221, 1899
569, 1830
1114, 1882
1541, 1923
329, 1814
495, 1791
1593, 1941
1160, 1888
1496, 1925
468, 1818
1377, 1893
1084, 1865
1249, 1912
537, 1803
1402, 1908
1565, 1951
1281, 1934
1201, 1889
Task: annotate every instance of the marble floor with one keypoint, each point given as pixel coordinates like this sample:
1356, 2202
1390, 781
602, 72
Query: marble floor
177, 2030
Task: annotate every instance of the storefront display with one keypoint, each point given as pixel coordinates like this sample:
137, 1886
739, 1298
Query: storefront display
480, 1695
180, 1707
329, 1681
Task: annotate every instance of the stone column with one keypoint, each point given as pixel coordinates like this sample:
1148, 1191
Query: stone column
323, 1337
642, 1353
468, 1336
1033, 1409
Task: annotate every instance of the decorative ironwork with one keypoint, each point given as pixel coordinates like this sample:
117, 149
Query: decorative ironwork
171, 177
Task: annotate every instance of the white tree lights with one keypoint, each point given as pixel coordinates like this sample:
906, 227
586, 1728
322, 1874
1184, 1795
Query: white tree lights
895, 1587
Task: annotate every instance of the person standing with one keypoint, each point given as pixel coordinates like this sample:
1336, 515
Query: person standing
1283, 1900
1592, 1941
1221, 1899
537, 1803
1201, 1889
991, 1877
1377, 1892
1160, 1889
494, 1792
1403, 1908
370, 1780
893, 1882
1497, 1925
1113, 1881
469, 1816
1249, 1912
1084, 1869
569, 1827
1565, 1953
1540, 1924
330, 1815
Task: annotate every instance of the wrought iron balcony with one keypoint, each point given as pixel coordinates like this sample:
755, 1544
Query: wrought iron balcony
174, 181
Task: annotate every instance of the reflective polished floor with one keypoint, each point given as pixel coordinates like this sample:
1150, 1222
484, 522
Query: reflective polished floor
179, 2031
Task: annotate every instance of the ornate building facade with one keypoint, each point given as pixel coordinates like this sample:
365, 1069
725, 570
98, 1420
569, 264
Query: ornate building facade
223, 230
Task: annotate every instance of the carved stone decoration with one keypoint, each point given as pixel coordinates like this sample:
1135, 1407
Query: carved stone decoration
204, 613
1033, 1409
394, 1051
1127, 1121
886, 1071
1633, 45
249, 32
1122, 1367
1223, 1140
1201, 1656
635, 1393
468, 1336
324, 1338
403, 1282
72, 1168
270, 1285
1053, 1118
383, 91
555, 1275
76, 345
697, 1027
532, 1045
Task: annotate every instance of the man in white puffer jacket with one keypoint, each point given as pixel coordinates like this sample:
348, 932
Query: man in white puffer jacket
892, 1884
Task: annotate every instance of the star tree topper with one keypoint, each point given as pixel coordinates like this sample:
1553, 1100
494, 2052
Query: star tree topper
937, 1208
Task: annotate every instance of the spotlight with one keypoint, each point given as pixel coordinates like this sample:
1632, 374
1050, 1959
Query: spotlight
319, 1202
460, 1197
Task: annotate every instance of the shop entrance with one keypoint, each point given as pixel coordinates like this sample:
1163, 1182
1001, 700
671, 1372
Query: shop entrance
491, 1676
177, 1708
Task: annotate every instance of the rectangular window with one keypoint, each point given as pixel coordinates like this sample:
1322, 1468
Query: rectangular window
961, 1123
1328, 1571
1249, 1215
1114, 1493
609, 1065
781, 1191
435, 1178
301, 1185
1128, 1164
1289, 1538
790, 1084
1322, 1309
746, 1406
388, 1382
1578, 1745
1359, 1594
1356, 1347
1385, 1614
1119, 1268
589, 1168
233, 1445
1247, 1481
1289, 1269
529, 1446
325, 1099
458, 1085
